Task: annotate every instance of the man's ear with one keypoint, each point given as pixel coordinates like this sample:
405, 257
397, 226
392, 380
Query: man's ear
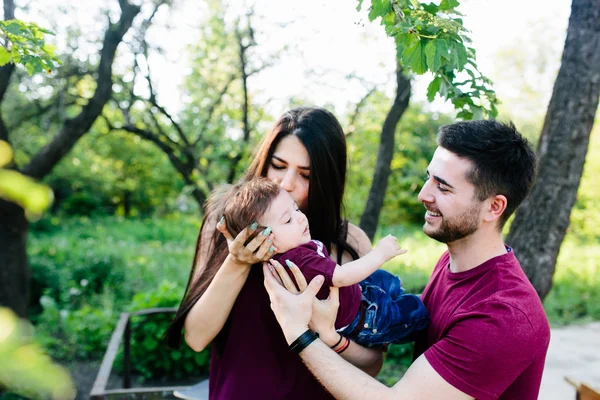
495, 208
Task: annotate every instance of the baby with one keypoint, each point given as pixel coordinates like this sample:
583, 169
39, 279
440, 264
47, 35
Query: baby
374, 309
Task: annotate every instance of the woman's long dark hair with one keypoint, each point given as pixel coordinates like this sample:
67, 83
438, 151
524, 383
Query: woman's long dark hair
320, 132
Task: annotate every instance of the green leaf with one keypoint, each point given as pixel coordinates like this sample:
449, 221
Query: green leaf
30, 68
430, 8
415, 58
49, 49
379, 8
448, 4
461, 55
359, 6
15, 28
4, 56
435, 50
433, 88
465, 114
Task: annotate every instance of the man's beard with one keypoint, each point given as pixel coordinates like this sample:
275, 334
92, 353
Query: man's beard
457, 227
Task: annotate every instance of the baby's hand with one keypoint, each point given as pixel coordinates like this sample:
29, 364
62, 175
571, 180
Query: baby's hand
388, 248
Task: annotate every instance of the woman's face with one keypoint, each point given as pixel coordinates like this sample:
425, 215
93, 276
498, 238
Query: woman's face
290, 168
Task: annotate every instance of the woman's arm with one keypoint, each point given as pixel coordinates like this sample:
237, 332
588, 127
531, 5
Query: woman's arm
207, 317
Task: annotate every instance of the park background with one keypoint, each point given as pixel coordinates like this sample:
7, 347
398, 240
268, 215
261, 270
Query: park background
120, 233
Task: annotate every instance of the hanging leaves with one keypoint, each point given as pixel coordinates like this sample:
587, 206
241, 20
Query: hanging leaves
432, 38
24, 44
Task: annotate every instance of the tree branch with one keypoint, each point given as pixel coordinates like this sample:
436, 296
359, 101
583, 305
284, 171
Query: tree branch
357, 110
214, 105
75, 128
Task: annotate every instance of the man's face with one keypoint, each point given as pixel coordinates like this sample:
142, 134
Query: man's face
453, 211
289, 224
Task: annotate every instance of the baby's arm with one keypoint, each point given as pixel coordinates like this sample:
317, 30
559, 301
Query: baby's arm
358, 270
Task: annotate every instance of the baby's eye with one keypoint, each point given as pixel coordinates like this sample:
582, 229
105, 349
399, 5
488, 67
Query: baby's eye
289, 220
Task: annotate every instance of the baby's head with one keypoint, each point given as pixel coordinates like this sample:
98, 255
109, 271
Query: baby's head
264, 202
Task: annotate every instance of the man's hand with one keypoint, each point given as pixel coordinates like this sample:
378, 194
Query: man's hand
388, 248
293, 311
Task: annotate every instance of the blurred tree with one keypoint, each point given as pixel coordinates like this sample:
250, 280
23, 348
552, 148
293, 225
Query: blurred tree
541, 222
14, 291
212, 135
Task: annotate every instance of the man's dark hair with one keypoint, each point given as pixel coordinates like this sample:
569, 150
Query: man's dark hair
503, 160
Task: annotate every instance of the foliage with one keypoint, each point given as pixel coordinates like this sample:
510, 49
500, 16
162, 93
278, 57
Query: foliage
117, 173
213, 136
415, 143
149, 354
33, 197
78, 334
25, 45
75, 321
25, 369
71, 277
432, 38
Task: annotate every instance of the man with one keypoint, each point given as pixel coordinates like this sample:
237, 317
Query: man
488, 334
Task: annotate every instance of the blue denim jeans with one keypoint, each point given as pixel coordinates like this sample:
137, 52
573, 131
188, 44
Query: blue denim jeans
390, 315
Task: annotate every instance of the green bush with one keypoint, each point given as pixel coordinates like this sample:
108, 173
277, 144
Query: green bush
72, 273
82, 334
150, 356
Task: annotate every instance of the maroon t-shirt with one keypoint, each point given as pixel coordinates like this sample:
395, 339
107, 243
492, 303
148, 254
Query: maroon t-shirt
488, 333
312, 259
250, 357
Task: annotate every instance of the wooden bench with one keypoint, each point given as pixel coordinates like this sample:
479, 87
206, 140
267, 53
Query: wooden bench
122, 332
584, 392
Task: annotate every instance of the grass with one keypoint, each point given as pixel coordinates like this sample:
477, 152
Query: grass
152, 251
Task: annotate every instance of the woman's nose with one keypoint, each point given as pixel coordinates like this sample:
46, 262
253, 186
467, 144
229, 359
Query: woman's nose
287, 183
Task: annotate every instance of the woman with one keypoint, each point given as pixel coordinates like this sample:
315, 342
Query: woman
225, 301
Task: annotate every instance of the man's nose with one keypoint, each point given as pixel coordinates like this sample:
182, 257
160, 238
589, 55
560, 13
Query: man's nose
425, 195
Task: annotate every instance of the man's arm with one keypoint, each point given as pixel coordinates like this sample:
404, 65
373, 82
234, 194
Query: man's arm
344, 381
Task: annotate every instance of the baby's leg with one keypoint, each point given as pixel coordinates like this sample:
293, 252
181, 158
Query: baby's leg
386, 281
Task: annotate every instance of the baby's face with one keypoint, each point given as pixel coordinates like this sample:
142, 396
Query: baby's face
288, 223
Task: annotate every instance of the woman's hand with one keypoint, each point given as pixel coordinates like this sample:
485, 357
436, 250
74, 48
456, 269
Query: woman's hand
324, 312
259, 249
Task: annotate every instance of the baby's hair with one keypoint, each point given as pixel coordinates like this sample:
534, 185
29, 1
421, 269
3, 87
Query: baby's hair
246, 202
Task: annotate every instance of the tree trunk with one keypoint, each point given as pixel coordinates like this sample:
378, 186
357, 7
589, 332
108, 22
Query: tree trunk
14, 268
14, 285
541, 222
370, 217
